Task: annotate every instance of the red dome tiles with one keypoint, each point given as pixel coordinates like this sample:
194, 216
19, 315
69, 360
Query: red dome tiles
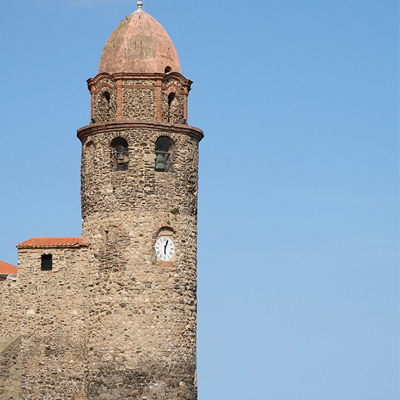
139, 44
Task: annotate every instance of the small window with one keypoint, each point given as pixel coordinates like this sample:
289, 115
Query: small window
106, 96
168, 69
171, 98
47, 262
171, 106
164, 147
120, 154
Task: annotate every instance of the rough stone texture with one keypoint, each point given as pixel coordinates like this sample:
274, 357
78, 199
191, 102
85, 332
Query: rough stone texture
104, 109
104, 81
141, 187
139, 104
10, 340
142, 339
55, 326
139, 82
51, 308
10, 369
171, 80
173, 112
138, 98
10, 310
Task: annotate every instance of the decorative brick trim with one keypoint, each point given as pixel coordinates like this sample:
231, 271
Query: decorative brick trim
158, 101
186, 103
125, 76
164, 226
115, 125
173, 87
165, 264
148, 87
180, 78
173, 136
92, 107
119, 100
103, 85
122, 135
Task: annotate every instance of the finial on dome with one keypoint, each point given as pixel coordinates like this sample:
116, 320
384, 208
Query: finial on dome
139, 5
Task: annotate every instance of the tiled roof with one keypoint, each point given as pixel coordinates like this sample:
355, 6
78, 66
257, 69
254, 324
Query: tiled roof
52, 242
7, 269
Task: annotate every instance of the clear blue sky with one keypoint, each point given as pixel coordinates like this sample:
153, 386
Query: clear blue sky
298, 202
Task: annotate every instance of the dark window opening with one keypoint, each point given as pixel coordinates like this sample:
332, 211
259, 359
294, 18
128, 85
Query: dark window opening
47, 262
164, 147
168, 69
171, 98
120, 154
107, 96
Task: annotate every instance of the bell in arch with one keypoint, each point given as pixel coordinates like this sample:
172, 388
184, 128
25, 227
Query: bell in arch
163, 147
160, 162
120, 154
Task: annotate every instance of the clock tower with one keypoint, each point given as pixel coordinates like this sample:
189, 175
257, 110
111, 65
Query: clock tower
139, 177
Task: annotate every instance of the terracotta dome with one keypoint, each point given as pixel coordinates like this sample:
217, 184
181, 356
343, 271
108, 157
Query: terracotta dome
139, 44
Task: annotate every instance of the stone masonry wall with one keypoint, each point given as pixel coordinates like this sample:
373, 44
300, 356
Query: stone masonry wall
10, 310
138, 100
139, 82
172, 81
139, 104
54, 323
10, 340
140, 187
10, 369
142, 331
173, 112
142, 338
105, 109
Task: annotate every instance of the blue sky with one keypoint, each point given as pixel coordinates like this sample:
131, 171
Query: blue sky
298, 200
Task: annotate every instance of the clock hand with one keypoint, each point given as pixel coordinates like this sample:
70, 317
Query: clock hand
165, 247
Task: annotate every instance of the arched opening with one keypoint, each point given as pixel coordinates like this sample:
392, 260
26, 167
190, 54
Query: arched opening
171, 103
168, 69
163, 148
120, 154
171, 98
103, 106
106, 96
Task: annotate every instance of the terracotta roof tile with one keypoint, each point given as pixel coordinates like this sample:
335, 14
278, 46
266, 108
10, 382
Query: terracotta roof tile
53, 242
7, 269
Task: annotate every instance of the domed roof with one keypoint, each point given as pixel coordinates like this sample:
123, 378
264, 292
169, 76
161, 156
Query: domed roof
139, 44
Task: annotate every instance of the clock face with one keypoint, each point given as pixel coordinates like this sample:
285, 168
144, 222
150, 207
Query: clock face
165, 248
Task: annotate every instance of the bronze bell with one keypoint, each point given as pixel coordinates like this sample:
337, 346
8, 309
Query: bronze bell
160, 162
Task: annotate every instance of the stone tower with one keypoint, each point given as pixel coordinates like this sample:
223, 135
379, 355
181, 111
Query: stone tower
139, 208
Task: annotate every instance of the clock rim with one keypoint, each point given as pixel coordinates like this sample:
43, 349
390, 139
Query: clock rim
168, 259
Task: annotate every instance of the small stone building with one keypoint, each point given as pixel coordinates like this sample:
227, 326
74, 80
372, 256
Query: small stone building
112, 314
7, 271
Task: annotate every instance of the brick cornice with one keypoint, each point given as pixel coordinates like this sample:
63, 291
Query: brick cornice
92, 129
125, 76
104, 84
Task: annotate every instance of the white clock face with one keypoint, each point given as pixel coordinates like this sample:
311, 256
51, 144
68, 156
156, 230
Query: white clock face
165, 248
